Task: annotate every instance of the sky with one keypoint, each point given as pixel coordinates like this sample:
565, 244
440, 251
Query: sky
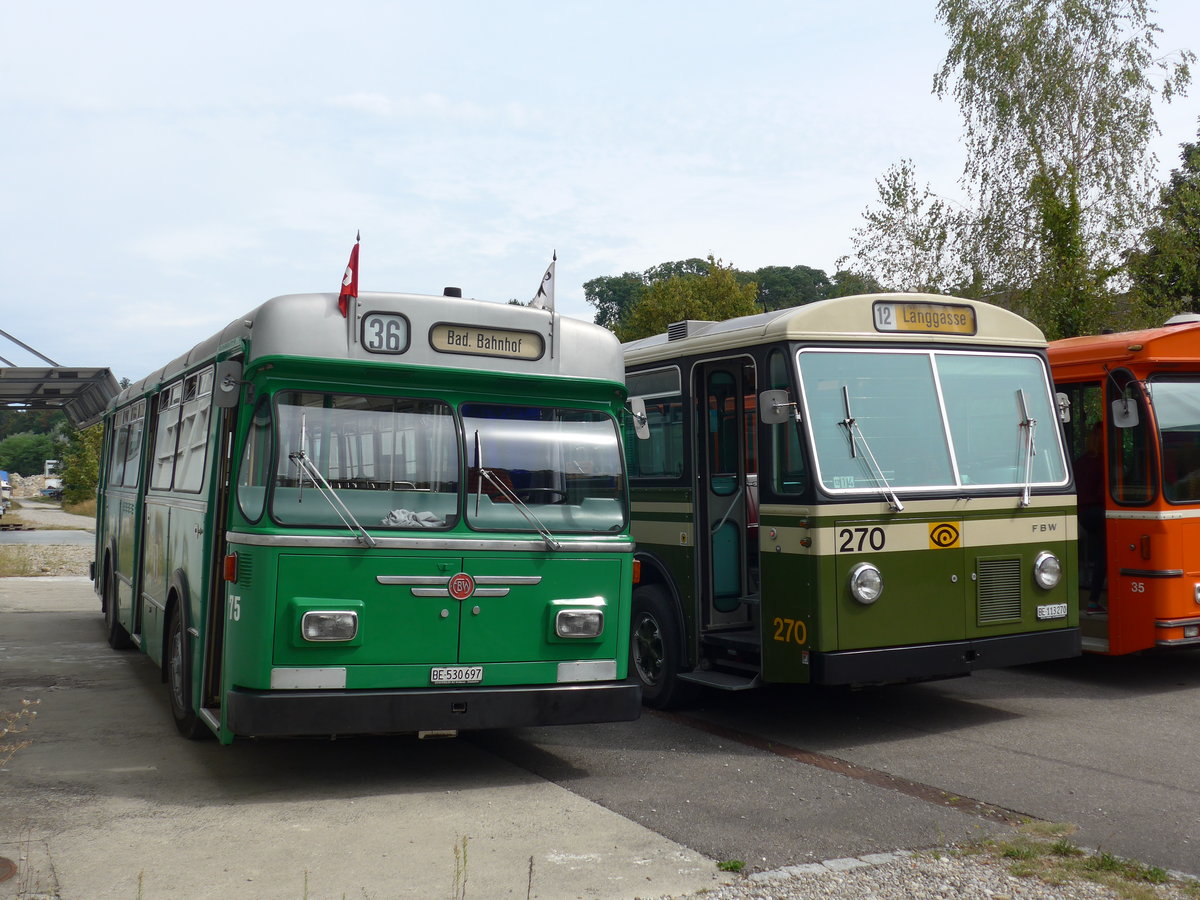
166, 168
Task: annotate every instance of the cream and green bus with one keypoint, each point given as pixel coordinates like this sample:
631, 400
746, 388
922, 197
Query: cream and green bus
862, 490
412, 518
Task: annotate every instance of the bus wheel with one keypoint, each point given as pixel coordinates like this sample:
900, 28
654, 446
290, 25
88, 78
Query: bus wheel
654, 648
179, 680
118, 637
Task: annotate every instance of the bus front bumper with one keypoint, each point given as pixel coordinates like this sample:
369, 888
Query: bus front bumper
943, 660
278, 713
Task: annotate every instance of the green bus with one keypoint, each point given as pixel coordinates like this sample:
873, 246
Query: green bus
855, 491
410, 518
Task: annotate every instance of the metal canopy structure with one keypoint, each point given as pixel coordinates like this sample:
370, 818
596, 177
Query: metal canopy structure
83, 394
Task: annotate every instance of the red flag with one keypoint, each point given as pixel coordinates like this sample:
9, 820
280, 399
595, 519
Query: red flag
350, 279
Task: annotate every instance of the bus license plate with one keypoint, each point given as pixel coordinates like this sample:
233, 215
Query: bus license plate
457, 674
1052, 611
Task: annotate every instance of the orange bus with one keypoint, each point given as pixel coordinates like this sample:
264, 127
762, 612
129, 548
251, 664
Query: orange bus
1134, 435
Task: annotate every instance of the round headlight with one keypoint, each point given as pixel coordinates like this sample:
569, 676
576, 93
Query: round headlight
866, 583
1047, 570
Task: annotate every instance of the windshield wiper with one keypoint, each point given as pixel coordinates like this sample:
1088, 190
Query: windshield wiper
856, 435
1027, 425
506, 492
304, 464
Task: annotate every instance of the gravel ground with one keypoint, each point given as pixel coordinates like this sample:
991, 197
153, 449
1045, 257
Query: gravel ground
53, 559
921, 876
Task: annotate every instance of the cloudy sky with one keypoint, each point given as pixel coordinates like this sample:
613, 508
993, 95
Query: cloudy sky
167, 167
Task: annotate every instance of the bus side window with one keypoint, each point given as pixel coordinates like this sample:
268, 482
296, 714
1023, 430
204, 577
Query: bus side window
254, 471
1131, 454
789, 474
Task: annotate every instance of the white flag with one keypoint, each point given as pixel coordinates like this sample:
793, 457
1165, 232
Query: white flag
544, 298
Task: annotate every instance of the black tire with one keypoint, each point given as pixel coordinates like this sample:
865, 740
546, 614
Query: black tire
118, 637
656, 649
179, 680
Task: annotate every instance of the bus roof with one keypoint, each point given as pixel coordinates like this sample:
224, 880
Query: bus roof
1167, 344
310, 326
836, 319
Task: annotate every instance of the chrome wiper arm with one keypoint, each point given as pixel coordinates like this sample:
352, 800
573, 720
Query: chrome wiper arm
300, 458
1027, 425
856, 435
524, 510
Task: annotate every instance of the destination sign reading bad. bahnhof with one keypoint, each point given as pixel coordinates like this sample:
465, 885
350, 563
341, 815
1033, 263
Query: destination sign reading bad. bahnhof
475, 341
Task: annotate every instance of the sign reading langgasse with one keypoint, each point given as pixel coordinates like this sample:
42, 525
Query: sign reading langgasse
475, 341
927, 318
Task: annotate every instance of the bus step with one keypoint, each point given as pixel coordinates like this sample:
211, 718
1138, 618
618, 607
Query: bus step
744, 640
725, 681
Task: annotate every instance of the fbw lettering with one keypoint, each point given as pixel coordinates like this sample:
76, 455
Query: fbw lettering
1040, 527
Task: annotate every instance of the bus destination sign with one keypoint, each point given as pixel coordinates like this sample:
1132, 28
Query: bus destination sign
473, 340
924, 318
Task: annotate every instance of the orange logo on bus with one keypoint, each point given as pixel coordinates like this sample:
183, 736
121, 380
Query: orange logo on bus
944, 536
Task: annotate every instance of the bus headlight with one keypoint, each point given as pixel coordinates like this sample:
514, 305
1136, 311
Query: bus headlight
1047, 570
331, 625
866, 583
579, 623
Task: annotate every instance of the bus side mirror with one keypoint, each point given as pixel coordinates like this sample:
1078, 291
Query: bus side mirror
641, 426
227, 385
775, 408
1064, 407
1125, 413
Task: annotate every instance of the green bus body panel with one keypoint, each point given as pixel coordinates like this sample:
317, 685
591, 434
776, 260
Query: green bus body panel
930, 594
397, 628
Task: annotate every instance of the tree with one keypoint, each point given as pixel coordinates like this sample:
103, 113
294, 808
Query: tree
781, 287
1166, 269
613, 296
81, 463
714, 296
1057, 102
847, 284
915, 240
26, 453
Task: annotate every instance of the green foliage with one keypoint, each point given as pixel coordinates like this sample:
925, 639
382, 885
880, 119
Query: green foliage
779, 287
1057, 102
1166, 269
613, 296
713, 296
848, 284
35, 421
915, 240
26, 453
81, 464
731, 865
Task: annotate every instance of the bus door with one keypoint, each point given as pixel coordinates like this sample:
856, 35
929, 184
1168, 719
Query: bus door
214, 631
727, 515
1137, 571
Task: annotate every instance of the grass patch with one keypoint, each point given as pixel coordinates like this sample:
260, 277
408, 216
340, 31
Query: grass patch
14, 563
1043, 851
83, 508
731, 865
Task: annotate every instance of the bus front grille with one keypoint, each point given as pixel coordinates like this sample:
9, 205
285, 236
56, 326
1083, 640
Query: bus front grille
999, 597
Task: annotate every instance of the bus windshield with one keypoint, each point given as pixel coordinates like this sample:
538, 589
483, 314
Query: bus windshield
1177, 411
563, 465
884, 420
395, 463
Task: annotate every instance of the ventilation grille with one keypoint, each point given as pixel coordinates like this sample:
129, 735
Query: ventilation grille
687, 328
245, 572
999, 590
